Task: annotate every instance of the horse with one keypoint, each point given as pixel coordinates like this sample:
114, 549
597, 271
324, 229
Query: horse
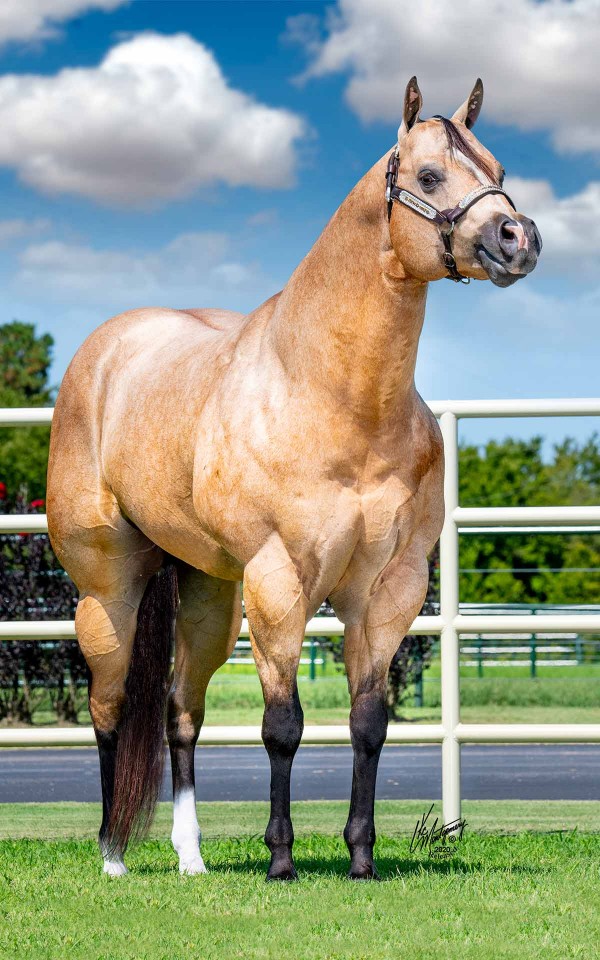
286, 450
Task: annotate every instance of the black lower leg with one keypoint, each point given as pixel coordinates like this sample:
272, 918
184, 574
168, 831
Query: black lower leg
182, 766
368, 726
107, 751
182, 747
282, 730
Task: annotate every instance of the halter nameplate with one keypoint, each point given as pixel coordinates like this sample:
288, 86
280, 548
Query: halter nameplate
409, 200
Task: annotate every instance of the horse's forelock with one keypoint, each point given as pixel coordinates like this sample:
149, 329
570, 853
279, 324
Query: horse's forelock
458, 144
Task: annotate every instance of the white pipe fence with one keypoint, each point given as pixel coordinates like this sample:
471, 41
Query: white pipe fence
451, 733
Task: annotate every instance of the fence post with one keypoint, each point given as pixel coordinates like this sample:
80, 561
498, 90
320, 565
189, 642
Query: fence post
419, 685
313, 655
479, 657
450, 653
533, 658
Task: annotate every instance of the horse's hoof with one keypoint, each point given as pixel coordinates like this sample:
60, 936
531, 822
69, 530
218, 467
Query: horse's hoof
191, 868
115, 868
364, 873
285, 874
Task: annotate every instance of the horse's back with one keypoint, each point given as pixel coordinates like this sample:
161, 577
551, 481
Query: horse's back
216, 318
150, 326
128, 340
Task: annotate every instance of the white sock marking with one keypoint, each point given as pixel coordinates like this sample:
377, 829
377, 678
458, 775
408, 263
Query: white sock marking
113, 864
115, 868
186, 835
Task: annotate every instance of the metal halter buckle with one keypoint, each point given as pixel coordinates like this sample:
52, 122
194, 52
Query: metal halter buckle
450, 264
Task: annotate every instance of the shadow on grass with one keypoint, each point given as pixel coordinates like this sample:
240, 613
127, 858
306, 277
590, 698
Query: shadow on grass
247, 856
390, 868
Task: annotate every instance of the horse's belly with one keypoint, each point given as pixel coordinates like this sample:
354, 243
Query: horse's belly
188, 541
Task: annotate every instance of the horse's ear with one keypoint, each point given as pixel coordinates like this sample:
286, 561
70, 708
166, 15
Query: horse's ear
469, 111
413, 101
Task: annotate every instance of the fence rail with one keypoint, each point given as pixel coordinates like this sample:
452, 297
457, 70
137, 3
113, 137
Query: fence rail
65, 629
451, 733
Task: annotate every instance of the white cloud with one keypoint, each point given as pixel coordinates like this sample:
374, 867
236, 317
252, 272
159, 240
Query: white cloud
538, 60
154, 121
191, 268
570, 226
13, 230
37, 19
263, 218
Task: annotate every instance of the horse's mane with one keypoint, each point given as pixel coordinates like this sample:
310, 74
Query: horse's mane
457, 143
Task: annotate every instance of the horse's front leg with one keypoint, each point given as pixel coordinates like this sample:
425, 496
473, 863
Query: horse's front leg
368, 650
276, 609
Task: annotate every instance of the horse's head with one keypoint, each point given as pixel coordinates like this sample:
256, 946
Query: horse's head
451, 206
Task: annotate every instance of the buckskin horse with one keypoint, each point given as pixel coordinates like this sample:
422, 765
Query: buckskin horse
287, 450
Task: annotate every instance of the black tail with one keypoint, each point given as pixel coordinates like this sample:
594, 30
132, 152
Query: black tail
141, 731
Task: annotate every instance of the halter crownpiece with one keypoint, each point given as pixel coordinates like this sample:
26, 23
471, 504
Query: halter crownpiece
445, 219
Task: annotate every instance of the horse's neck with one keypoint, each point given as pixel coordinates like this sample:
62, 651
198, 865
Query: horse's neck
347, 320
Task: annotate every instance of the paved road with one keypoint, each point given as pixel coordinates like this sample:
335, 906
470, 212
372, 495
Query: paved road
521, 772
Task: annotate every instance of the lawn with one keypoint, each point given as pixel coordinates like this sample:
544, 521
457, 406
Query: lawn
524, 883
504, 695
557, 695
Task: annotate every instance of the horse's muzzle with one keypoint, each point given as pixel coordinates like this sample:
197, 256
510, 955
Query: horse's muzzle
508, 248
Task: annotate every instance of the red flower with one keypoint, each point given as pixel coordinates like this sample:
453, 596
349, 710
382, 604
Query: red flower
2, 491
38, 503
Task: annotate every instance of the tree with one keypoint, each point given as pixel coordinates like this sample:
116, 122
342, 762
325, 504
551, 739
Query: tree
539, 567
25, 361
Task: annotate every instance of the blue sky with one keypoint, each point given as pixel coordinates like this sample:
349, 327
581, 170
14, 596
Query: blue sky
126, 177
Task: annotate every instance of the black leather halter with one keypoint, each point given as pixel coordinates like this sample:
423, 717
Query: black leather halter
445, 219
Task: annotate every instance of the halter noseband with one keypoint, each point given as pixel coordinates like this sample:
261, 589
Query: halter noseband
445, 219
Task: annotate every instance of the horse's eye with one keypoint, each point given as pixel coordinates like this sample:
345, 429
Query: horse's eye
502, 176
428, 180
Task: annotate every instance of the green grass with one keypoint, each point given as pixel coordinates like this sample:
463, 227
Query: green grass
523, 895
504, 695
487, 713
79, 821
508, 696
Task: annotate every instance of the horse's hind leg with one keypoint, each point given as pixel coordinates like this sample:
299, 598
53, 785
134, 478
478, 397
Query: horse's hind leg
112, 563
207, 627
108, 617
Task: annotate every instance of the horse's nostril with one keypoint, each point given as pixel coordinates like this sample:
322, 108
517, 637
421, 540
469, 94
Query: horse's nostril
508, 236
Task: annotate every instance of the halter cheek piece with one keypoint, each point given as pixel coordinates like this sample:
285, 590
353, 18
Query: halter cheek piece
445, 219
